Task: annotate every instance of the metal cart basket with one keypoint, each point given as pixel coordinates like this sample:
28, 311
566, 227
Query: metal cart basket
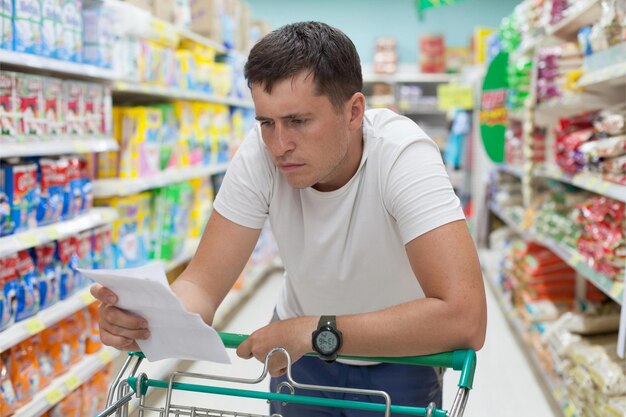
128, 385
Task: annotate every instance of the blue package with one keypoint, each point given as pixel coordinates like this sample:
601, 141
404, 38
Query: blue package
8, 293
6, 24
71, 31
19, 181
73, 201
52, 176
68, 261
50, 19
6, 221
28, 287
48, 275
27, 26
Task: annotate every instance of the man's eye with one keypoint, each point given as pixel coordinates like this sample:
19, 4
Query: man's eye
297, 121
266, 123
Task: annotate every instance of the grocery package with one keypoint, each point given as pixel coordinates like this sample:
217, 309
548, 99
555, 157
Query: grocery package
93, 343
53, 106
27, 25
71, 31
519, 74
52, 176
71, 406
74, 108
9, 123
30, 106
8, 398
24, 371
28, 297
385, 55
98, 36
432, 53
6, 25
101, 249
19, 182
172, 207
9, 280
603, 240
51, 18
55, 341
555, 64
68, 261
44, 361
47, 268
557, 214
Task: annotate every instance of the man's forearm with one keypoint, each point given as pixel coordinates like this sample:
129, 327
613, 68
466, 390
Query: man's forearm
195, 299
418, 327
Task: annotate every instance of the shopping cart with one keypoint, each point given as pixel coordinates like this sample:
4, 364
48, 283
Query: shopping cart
124, 388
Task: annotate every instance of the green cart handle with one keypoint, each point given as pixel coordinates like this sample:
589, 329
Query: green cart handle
459, 360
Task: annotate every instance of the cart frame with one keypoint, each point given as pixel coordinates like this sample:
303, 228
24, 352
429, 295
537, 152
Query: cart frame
128, 384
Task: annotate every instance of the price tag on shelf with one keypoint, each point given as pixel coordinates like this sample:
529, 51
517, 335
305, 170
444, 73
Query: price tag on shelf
105, 356
28, 239
34, 325
80, 146
575, 258
87, 298
53, 233
603, 187
54, 396
72, 382
616, 290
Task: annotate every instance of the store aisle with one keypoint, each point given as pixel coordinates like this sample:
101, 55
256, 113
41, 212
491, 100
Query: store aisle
504, 385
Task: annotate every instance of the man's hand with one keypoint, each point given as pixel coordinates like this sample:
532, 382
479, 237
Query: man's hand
118, 328
294, 335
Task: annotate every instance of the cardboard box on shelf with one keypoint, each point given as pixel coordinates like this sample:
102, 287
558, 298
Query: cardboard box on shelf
205, 18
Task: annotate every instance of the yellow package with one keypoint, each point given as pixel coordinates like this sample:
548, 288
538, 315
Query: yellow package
204, 119
202, 205
221, 78
189, 150
108, 162
185, 69
139, 146
222, 137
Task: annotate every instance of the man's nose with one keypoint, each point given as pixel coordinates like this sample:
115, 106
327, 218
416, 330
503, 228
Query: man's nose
283, 142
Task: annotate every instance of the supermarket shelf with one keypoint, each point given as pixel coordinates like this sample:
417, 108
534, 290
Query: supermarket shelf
609, 77
577, 261
22, 330
407, 78
43, 64
583, 13
551, 386
570, 256
123, 187
567, 106
68, 382
417, 110
587, 181
58, 147
194, 37
44, 234
253, 278
516, 171
154, 91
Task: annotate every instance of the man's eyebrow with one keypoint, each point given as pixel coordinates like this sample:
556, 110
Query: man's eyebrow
285, 117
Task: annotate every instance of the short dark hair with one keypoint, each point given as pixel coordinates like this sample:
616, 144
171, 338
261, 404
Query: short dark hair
325, 51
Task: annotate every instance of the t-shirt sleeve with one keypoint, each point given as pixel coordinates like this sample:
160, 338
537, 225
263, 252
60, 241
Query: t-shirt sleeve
418, 192
245, 193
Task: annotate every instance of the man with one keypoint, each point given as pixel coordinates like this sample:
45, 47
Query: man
378, 258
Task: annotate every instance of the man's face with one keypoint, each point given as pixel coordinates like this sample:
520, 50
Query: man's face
311, 142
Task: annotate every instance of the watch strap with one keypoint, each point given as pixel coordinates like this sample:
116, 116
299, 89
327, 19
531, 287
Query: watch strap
327, 321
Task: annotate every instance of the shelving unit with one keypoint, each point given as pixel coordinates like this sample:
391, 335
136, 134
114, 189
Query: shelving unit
62, 386
581, 13
37, 63
22, 330
586, 181
574, 259
516, 171
407, 78
551, 386
155, 91
59, 147
613, 76
28, 239
122, 187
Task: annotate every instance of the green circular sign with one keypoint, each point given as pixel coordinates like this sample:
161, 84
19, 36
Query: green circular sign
493, 115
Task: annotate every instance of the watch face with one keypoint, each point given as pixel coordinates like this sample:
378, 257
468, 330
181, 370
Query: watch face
327, 342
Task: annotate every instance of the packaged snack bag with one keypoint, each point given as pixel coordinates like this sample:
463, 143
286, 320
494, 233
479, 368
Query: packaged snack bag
84, 251
102, 251
52, 176
71, 406
8, 399
9, 123
57, 348
9, 280
19, 181
24, 371
53, 105
93, 332
27, 25
30, 106
76, 333
28, 298
48, 275
44, 362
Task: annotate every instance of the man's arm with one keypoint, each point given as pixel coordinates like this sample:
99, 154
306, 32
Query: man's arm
453, 314
221, 256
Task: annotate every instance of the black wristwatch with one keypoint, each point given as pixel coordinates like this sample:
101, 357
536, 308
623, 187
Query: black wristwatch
327, 339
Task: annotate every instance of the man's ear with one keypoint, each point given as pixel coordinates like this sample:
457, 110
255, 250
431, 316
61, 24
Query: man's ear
357, 110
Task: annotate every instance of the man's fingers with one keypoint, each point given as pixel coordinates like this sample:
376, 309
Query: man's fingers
115, 316
103, 294
140, 334
243, 350
118, 342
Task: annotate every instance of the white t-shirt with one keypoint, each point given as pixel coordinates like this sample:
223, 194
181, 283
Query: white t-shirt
343, 250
